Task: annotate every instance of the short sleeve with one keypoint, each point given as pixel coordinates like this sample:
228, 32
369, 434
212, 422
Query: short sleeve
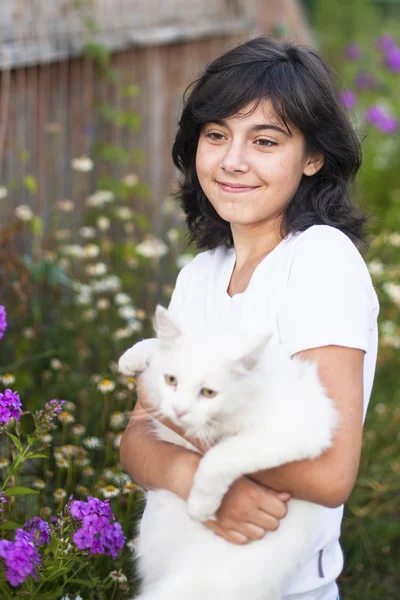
329, 298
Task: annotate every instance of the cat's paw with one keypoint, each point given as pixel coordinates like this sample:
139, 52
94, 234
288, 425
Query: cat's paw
202, 506
130, 364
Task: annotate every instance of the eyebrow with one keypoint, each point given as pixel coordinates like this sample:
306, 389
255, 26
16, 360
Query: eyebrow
260, 127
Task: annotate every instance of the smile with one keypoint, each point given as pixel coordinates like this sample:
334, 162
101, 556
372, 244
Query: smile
235, 188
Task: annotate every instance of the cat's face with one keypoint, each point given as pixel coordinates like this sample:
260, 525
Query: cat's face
200, 379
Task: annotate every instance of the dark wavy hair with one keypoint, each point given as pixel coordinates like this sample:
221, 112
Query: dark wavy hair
300, 87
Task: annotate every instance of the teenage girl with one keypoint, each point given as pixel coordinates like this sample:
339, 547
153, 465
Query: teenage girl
267, 155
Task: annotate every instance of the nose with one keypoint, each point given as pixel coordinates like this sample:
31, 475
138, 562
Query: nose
235, 159
180, 412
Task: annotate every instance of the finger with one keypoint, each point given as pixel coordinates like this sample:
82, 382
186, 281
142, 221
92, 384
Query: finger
272, 505
230, 535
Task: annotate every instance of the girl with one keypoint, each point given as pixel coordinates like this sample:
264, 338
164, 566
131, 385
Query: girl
267, 155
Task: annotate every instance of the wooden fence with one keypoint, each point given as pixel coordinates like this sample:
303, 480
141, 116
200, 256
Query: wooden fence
50, 93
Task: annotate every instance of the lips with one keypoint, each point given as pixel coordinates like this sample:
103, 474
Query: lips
235, 188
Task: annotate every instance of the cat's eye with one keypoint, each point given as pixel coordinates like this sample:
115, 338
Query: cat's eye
171, 380
208, 393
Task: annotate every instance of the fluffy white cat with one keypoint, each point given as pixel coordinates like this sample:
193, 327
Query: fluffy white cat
258, 409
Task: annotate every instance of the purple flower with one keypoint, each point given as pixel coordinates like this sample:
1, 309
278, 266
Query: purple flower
365, 81
385, 42
21, 557
40, 530
10, 406
99, 533
393, 59
378, 116
353, 52
349, 99
3, 320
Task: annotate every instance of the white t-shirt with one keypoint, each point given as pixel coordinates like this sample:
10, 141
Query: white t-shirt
312, 290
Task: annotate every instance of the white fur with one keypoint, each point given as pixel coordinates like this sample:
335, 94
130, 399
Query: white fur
269, 410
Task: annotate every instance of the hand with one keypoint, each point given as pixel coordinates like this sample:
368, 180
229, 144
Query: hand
248, 511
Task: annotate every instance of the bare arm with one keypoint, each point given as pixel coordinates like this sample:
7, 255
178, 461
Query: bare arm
153, 463
329, 479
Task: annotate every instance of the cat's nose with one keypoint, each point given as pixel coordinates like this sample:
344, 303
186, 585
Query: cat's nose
180, 412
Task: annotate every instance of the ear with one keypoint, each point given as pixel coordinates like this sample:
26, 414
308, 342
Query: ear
164, 325
314, 164
248, 362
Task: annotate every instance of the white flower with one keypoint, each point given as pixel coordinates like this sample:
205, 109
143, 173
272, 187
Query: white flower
69, 405
122, 334
124, 213
92, 442
375, 267
173, 235
66, 417
78, 430
103, 223
83, 299
117, 440
117, 420
394, 239
83, 164
118, 576
183, 260
28, 333
99, 268
99, 198
131, 180
24, 213
127, 312
91, 251
106, 385
112, 283
4, 463
65, 205
59, 494
73, 250
55, 364
103, 303
393, 291
129, 488
87, 232
3, 192
8, 379
110, 491
122, 298
47, 438
89, 315
39, 484
152, 247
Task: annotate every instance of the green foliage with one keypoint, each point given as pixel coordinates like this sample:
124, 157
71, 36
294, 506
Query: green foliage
371, 528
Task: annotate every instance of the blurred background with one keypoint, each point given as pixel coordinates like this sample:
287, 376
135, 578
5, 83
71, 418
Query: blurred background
91, 236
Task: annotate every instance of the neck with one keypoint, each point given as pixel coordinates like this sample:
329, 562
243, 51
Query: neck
251, 246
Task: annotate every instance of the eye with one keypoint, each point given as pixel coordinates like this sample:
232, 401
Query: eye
207, 393
214, 136
265, 143
171, 380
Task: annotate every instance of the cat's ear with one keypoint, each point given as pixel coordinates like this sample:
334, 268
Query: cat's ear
164, 325
248, 362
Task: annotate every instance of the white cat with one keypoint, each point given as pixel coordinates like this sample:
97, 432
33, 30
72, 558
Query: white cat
258, 409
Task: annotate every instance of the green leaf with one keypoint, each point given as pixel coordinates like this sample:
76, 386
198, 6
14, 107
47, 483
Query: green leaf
15, 440
10, 525
58, 572
30, 183
37, 226
20, 491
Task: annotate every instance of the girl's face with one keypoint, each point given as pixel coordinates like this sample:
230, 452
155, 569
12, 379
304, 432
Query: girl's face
249, 167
